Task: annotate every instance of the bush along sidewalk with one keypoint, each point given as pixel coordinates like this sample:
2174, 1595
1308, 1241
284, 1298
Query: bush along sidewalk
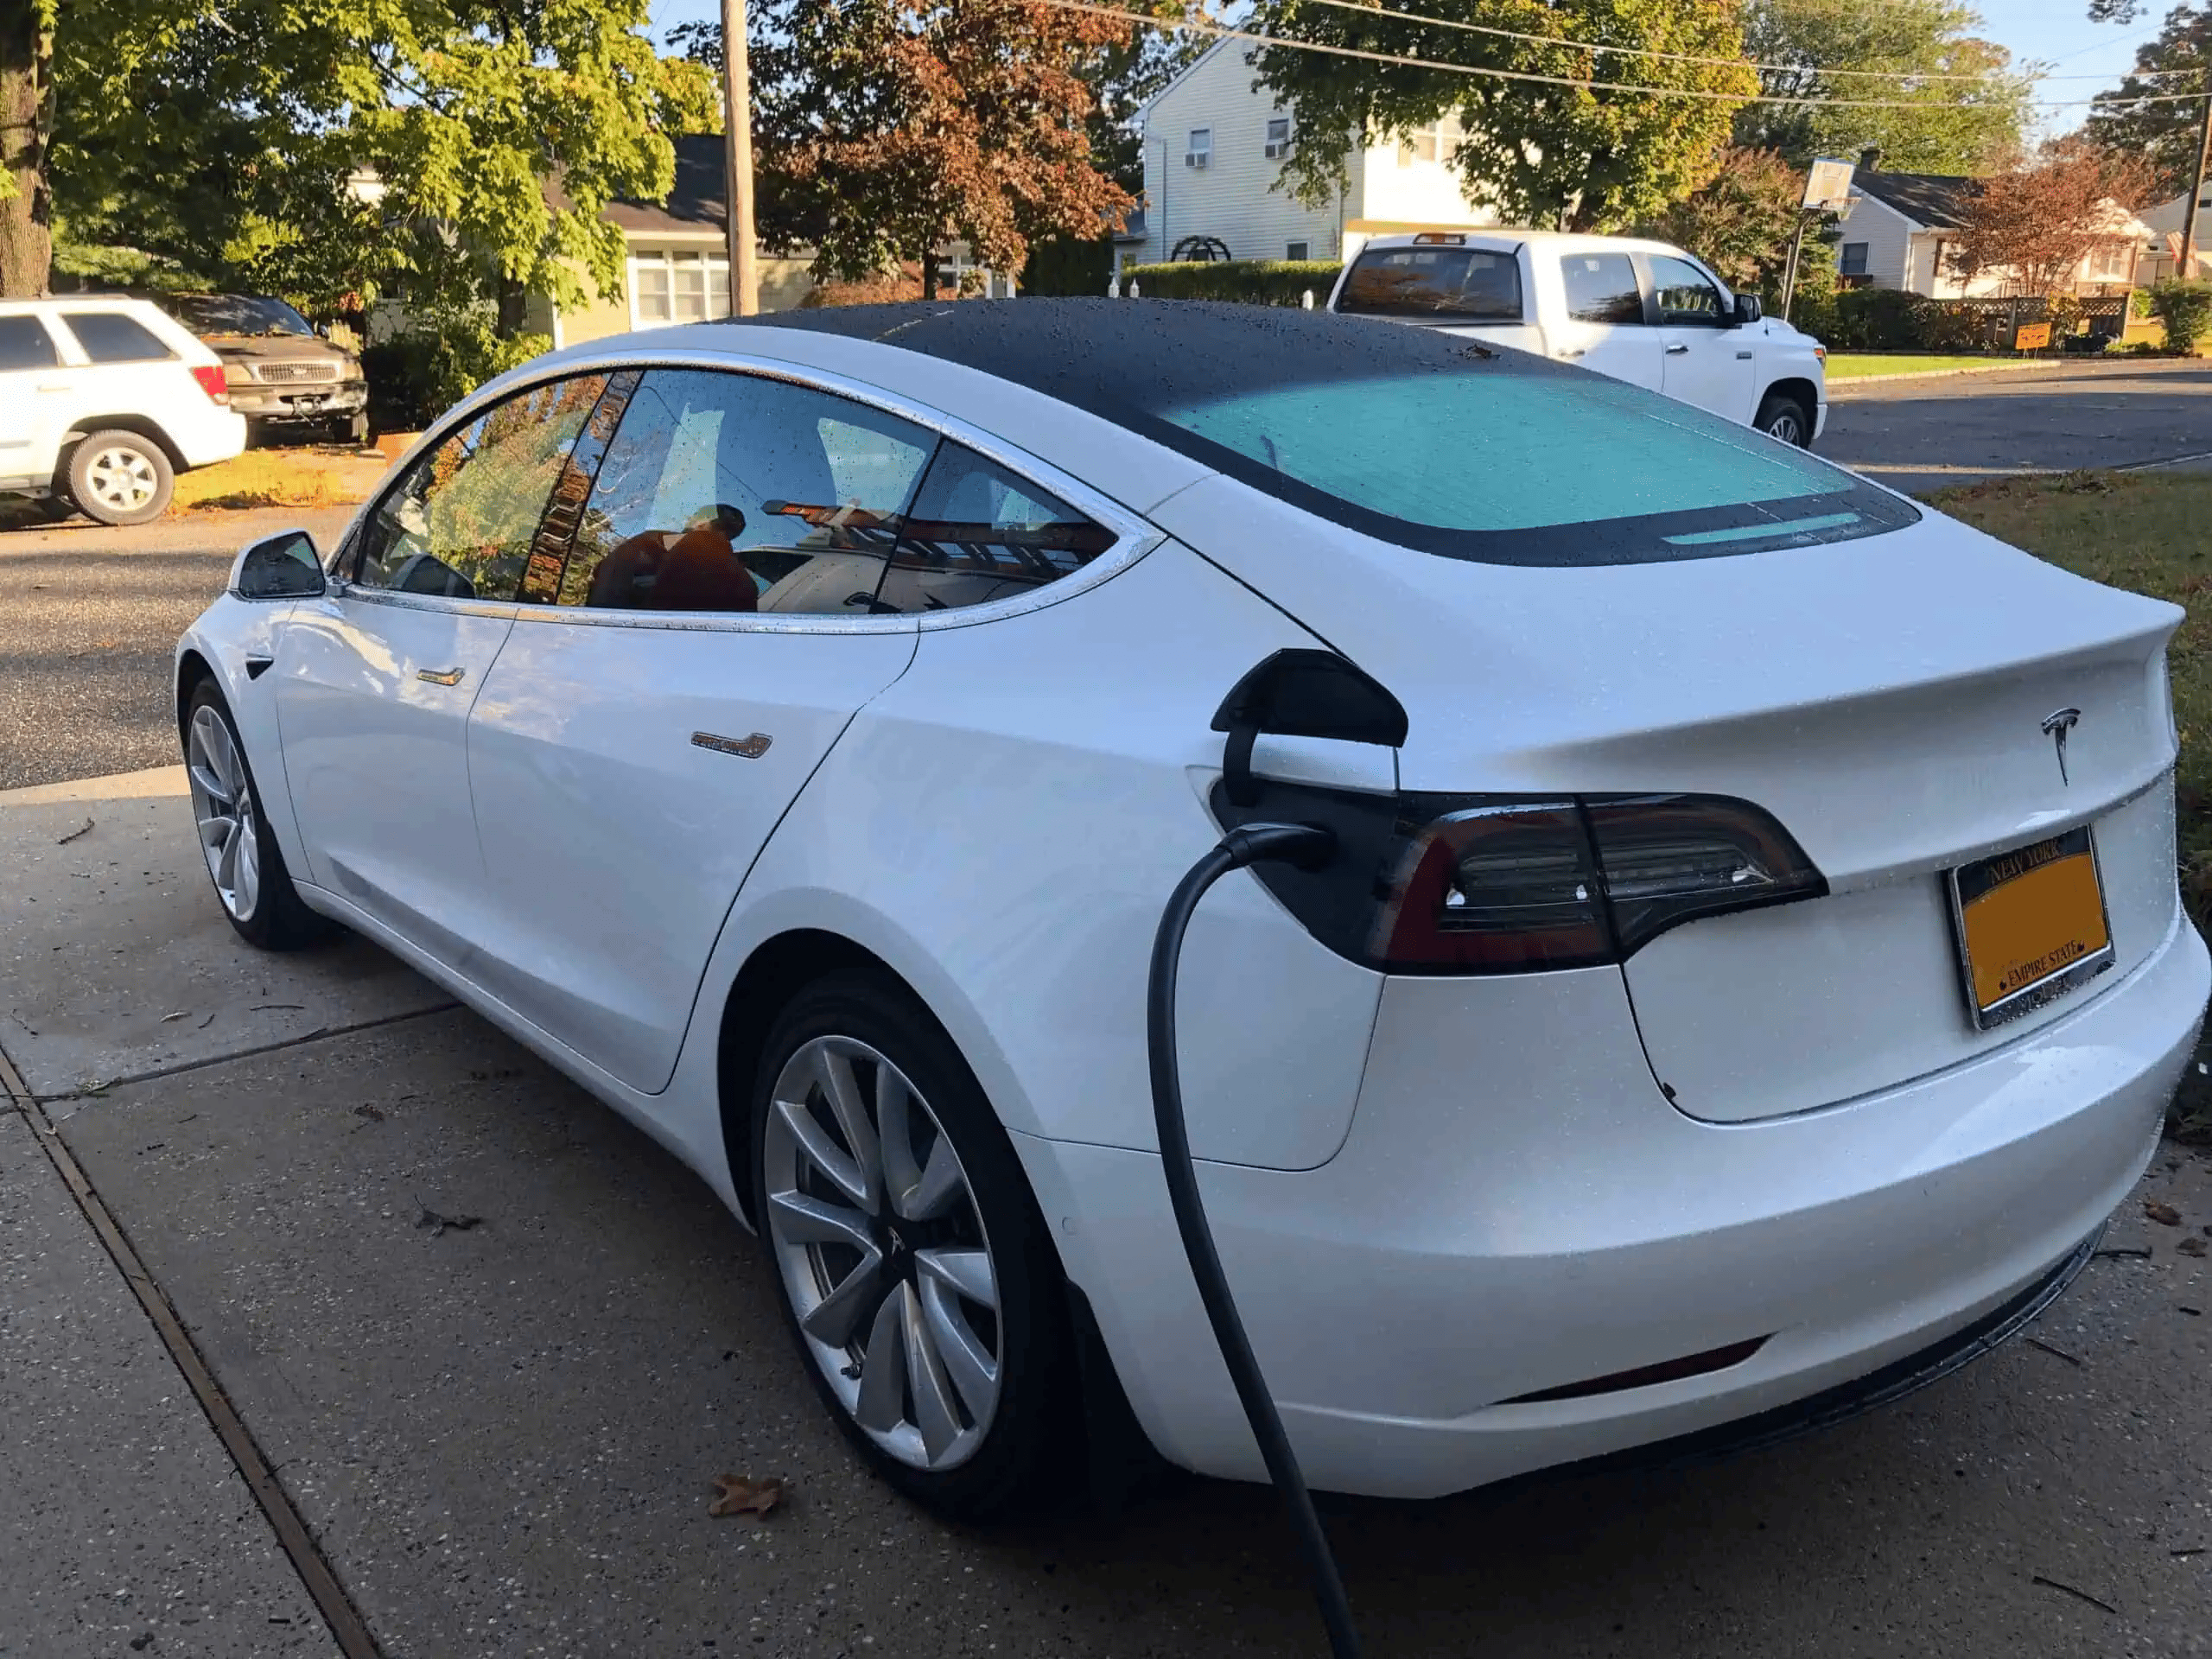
1252, 281
2185, 308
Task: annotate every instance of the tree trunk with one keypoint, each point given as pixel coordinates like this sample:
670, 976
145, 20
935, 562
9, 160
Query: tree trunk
929, 273
514, 306
26, 117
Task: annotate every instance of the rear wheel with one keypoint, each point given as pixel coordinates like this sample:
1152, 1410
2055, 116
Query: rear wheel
914, 1266
1784, 416
120, 477
243, 861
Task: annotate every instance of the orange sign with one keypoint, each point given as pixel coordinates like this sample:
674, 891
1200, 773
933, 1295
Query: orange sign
2032, 337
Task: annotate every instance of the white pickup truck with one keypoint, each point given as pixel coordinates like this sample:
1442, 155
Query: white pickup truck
1640, 311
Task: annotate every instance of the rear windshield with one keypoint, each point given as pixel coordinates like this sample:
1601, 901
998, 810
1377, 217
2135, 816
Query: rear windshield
1469, 284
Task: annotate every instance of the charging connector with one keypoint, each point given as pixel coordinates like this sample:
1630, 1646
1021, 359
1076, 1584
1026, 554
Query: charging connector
1309, 847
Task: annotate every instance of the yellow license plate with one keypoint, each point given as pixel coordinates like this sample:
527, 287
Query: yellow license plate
2031, 925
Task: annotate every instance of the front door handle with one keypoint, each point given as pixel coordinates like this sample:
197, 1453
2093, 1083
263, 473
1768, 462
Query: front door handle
441, 676
1678, 351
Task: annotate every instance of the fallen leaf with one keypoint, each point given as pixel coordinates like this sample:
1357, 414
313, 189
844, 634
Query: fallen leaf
373, 1113
438, 1223
82, 829
742, 1495
2164, 1214
296, 1007
2192, 1246
179, 1015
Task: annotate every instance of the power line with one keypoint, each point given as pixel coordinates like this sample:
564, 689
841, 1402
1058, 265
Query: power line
1684, 57
1224, 32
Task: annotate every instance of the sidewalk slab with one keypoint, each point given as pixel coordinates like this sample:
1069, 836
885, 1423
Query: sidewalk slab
504, 1437
124, 1525
116, 960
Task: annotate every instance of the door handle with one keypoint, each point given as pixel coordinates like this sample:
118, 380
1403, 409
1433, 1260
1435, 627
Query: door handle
53, 385
1678, 351
441, 676
1574, 353
1742, 357
257, 665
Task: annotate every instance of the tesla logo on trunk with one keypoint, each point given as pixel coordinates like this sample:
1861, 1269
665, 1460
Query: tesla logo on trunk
2055, 726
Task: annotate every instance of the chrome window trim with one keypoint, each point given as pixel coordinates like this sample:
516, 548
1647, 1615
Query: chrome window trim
1134, 537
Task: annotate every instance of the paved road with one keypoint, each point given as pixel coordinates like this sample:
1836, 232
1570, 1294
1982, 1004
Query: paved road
1920, 434
504, 1438
88, 616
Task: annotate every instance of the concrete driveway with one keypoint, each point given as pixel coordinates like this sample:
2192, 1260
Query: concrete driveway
501, 1439
1919, 434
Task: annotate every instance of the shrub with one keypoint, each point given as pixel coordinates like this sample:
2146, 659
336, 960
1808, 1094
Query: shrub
1060, 265
2185, 308
441, 354
1253, 282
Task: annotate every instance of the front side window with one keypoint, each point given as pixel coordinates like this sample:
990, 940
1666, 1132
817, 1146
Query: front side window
24, 344
1601, 288
1477, 285
112, 337
460, 522
1686, 293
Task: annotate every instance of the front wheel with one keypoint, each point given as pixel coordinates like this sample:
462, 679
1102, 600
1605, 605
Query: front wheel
1784, 417
914, 1266
120, 477
243, 861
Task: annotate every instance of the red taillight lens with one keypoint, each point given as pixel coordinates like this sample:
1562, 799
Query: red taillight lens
210, 377
1468, 885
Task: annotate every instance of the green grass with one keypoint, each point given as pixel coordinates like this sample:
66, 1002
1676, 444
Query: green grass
1866, 365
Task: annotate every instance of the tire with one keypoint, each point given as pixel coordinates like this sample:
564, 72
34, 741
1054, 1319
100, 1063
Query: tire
243, 861
1785, 417
982, 1422
354, 429
120, 477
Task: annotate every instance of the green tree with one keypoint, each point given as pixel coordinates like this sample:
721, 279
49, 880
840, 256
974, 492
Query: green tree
1953, 127
1571, 155
883, 128
2165, 135
1741, 223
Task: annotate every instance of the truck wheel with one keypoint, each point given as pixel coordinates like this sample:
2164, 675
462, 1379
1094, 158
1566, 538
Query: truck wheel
356, 431
1784, 417
120, 477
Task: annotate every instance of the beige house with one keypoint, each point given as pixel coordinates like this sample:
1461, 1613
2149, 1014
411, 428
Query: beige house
1900, 226
1214, 147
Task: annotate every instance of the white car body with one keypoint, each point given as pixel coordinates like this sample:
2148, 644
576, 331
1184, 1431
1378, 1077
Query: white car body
1456, 1211
47, 406
1700, 352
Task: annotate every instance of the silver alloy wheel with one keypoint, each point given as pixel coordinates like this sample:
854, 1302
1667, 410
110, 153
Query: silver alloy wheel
883, 1252
222, 805
120, 477
1787, 424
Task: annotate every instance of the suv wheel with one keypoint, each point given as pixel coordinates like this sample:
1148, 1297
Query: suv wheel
914, 1266
1784, 417
120, 477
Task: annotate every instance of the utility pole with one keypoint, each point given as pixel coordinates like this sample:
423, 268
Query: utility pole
737, 157
2196, 188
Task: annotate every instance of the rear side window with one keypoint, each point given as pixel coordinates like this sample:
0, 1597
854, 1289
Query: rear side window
24, 344
111, 337
978, 532
459, 523
1601, 288
1471, 284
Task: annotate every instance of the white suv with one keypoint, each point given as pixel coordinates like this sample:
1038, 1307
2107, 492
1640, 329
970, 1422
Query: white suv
1643, 312
103, 401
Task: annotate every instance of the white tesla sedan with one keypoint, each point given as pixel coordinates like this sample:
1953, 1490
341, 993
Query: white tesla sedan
1745, 992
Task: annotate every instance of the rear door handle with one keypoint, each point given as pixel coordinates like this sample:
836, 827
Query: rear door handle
53, 385
1742, 357
1678, 351
441, 676
256, 666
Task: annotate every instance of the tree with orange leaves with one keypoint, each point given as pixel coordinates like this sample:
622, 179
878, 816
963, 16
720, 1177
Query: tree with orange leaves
2036, 221
883, 129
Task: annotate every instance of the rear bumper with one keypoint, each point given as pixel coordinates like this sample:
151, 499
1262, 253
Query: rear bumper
1516, 1208
217, 435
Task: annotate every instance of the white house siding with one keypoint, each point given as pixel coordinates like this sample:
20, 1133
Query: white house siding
1232, 198
1887, 234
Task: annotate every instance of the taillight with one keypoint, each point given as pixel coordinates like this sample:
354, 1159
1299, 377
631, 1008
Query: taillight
210, 377
1429, 884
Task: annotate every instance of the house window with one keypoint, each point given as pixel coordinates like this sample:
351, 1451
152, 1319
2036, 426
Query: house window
1422, 144
1278, 137
2109, 262
1853, 262
678, 285
1199, 151
1298, 250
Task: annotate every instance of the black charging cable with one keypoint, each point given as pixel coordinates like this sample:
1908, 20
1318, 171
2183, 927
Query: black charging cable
1310, 847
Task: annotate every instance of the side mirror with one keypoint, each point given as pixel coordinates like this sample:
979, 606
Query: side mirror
1748, 308
282, 566
1302, 694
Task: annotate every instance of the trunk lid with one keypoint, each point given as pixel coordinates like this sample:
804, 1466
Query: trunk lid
1884, 697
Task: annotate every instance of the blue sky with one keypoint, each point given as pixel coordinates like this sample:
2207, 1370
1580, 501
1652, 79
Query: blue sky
2055, 32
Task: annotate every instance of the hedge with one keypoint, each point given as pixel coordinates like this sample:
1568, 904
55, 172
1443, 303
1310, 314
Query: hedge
2186, 310
1254, 282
